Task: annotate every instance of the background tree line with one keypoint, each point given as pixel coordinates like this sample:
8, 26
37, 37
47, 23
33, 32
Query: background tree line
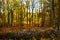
16, 13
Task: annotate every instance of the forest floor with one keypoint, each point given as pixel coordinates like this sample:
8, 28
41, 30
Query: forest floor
34, 31
13, 29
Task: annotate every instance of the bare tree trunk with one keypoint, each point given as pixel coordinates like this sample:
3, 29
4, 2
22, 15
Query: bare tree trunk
53, 15
59, 15
32, 13
8, 18
11, 16
27, 12
43, 17
8, 14
21, 20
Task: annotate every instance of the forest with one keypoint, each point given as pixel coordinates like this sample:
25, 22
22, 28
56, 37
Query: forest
31, 15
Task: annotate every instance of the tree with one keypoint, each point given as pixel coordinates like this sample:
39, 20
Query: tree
53, 16
40, 11
43, 13
27, 6
59, 15
33, 5
2, 14
21, 13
